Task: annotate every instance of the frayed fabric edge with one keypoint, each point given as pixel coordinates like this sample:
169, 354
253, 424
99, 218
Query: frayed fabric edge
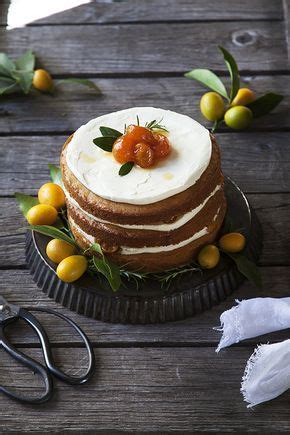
252, 361
225, 339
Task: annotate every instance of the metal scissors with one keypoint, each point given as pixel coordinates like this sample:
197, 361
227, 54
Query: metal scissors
10, 313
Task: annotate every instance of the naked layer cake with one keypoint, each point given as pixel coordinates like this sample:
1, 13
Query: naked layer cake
157, 216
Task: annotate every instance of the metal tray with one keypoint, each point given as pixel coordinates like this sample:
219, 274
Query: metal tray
188, 295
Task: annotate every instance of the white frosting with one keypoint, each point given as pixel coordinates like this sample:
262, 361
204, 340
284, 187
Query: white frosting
98, 170
126, 250
159, 227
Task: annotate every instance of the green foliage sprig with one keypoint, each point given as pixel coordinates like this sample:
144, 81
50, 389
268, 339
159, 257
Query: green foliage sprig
109, 136
17, 76
234, 117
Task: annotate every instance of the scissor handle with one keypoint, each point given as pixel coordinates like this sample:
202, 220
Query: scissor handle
46, 347
31, 364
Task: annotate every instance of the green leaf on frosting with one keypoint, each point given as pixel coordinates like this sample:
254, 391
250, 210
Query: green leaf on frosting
111, 132
105, 143
126, 168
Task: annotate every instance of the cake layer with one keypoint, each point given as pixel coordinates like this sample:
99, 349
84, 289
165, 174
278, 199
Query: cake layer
162, 212
115, 236
148, 261
98, 171
180, 221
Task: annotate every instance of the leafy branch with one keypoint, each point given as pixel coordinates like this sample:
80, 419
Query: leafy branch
20, 76
249, 106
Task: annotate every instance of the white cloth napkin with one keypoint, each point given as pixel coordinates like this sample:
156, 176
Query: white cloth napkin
267, 373
253, 317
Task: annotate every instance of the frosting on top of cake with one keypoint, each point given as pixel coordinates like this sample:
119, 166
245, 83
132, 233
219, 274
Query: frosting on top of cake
98, 170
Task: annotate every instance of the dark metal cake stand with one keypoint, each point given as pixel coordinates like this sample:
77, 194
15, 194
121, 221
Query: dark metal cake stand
191, 293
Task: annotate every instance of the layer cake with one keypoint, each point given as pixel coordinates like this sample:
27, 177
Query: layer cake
152, 219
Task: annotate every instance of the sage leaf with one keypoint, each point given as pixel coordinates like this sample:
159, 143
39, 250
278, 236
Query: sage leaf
97, 247
55, 174
107, 131
25, 202
247, 268
209, 79
83, 82
105, 142
6, 65
23, 79
8, 86
265, 104
109, 270
26, 62
233, 70
53, 232
106, 267
126, 168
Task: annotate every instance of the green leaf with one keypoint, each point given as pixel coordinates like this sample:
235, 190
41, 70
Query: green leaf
156, 125
97, 247
23, 79
111, 132
53, 232
25, 202
247, 268
265, 104
209, 79
126, 168
234, 72
8, 86
109, 270
55, 174
6, 65
83, 82
26, 62
105, 142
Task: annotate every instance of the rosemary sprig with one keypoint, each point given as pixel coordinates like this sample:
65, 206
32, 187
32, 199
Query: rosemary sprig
156, 125
166, 278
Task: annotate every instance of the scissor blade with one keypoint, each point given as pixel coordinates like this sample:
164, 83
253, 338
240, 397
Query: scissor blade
7, 311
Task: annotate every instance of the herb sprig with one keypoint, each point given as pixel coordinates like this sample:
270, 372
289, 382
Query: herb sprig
259, 107
156, 125
19, 76
110, 135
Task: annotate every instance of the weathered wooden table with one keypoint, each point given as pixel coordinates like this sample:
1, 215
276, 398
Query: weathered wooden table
165, 377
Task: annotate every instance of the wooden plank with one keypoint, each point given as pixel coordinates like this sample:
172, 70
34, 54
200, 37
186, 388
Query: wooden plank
257, 162
73, 105
99, 12
17, 287
186, 390
157, 48
273, 212
286, 8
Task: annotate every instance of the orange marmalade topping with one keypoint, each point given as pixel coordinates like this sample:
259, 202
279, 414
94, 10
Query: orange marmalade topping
141, 146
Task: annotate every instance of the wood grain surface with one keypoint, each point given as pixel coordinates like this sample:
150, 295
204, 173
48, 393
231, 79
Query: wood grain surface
132, 11
162, 378
173, 48
75, 105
